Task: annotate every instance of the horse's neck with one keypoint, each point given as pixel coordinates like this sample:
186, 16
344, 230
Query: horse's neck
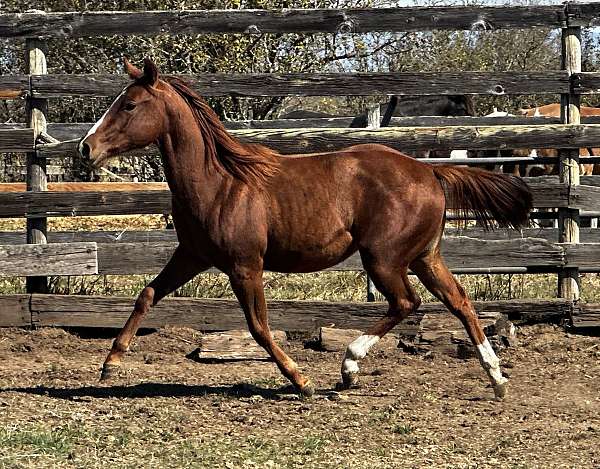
184, 160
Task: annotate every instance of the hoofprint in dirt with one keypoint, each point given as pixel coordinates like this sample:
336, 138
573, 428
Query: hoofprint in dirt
167, 411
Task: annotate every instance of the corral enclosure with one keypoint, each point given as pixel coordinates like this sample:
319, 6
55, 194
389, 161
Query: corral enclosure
413, 412
86, 253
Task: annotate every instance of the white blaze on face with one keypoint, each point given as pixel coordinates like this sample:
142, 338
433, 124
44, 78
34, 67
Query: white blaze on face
490, 363
92, 131
356, 350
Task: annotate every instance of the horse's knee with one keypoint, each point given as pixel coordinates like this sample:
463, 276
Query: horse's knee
145, 299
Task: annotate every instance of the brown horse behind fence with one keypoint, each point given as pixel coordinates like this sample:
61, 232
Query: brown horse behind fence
244, 208
553, 110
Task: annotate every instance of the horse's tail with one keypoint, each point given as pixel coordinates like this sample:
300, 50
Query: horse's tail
488, 196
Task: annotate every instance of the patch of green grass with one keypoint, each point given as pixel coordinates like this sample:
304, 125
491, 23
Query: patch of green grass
270, 382
33, 441
313, 444
386, 414
402, 429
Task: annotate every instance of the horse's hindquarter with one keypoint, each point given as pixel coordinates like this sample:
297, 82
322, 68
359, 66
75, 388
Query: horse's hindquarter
323, 208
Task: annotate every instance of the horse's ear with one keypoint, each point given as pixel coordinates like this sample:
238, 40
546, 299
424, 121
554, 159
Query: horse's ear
150, 72
131, 70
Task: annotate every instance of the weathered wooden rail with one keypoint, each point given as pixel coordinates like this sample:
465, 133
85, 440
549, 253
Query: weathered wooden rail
462, 254
315, 84
223, 314
294, 141
83, 253
89, 23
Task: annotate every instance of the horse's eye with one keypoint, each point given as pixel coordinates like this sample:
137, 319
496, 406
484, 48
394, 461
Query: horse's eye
129, 106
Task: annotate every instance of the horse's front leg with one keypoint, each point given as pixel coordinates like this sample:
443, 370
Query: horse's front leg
248, 287
181, 268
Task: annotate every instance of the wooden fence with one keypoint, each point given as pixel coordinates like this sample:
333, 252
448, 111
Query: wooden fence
470, 251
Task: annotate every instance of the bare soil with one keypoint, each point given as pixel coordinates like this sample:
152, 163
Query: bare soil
410, 411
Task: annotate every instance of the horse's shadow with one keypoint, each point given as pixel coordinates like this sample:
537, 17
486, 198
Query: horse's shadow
149, 390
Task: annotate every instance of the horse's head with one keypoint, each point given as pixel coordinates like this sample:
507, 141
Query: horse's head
133, 120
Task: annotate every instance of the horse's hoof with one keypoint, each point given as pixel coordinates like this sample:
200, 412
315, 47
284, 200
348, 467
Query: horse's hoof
349, 380
500, 391
109, 372
307, 390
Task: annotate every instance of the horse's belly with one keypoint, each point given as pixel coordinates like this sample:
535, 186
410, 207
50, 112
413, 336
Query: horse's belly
308, 256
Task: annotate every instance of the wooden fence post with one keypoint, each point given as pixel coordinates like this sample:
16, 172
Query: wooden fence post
568, 278
37, 179
373, 120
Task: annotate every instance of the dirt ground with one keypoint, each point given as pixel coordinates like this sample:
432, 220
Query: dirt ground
410, 411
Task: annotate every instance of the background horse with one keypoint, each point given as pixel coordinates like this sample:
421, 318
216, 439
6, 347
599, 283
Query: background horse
409, 106
244, 208
553, 110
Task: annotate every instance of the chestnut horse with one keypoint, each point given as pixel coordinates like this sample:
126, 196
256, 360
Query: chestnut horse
553, 110
244, 208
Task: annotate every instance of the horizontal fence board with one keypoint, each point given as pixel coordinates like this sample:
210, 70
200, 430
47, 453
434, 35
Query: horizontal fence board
14, 311
587, 235
297, 141
586, 82
89, 186
134, 258
463, 252
16, 140
585, 14
69, 131
104, 23
13, 86
413, 138
146, 252
61, 204
586, 315
586, 256
585, 198
291, 315
48, 259
65, 204
101, 237
459, 253
322, 84
548, 195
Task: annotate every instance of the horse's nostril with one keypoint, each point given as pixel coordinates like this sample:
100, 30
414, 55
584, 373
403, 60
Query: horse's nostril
85, 150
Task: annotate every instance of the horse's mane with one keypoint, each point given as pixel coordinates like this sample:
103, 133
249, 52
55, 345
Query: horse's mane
251, 163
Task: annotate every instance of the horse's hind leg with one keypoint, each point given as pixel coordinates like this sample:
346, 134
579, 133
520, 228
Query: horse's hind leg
181, 268
436, 277
402, 299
